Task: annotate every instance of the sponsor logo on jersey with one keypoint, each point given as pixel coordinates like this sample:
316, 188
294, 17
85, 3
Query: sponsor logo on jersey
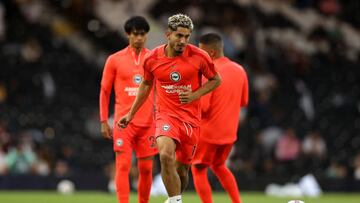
175, 76
132, 91
176, 88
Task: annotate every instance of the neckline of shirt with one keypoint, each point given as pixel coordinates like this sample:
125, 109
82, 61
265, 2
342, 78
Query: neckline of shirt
162, 52
137, 59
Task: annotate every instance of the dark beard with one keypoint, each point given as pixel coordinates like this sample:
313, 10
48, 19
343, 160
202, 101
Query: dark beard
178, 52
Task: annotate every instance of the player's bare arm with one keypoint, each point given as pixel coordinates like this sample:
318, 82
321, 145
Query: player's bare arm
106, 130
210, 85
142, 94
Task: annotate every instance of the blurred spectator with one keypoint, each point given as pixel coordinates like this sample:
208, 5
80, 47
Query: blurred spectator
4, 137
3, 168
357, 167
288, 146
21, 159
62, 169
336, 170
329, 7
4, 144
287, 152
264, 83
31, 9
314, 152
263, 151
269, 137
42, 166
67, 155
31, 51
314, 146
3, 93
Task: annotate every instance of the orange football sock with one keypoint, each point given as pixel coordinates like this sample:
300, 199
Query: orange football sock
228, 182
123, 164
201, 184
145, 180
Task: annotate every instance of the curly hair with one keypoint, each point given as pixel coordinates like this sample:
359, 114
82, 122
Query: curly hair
180, 20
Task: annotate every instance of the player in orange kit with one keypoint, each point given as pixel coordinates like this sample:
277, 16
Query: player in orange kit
124, 71
176, 68
220, 118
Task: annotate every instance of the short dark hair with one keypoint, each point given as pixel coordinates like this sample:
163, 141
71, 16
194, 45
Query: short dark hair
210, 38
136, 23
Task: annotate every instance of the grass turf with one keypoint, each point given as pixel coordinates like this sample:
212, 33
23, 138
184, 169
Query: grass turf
102, 197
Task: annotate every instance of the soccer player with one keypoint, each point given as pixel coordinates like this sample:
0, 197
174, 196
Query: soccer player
176, 68
220, 117
124, 71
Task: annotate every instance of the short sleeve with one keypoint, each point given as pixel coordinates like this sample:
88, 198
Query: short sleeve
207, 67
147, 69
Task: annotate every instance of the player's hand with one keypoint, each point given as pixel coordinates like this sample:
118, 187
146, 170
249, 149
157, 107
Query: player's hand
124, 121
186, 97
106, 130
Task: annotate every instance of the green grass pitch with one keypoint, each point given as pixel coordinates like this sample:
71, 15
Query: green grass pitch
102, 197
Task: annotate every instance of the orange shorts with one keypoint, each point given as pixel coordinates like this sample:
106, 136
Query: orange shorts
211, 154
183, 133
141, 139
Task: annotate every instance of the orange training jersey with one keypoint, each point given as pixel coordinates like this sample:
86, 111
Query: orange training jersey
175, 75
221, 107
124, 71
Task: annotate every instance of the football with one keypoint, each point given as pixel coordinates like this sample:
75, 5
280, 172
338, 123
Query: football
296, 201
66, 187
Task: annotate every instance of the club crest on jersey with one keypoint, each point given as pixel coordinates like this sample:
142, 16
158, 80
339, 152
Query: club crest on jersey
175, 76
137, 79
119, 142
166, 127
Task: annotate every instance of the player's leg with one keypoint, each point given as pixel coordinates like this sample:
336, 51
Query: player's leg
123, 164
123, 148
183, 171
204, 156
171, 179
201, 182
175, 154
145, 178
224, 175
145, 149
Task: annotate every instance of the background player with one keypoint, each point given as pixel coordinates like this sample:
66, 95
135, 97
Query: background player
177, 68
220, 117
124, 71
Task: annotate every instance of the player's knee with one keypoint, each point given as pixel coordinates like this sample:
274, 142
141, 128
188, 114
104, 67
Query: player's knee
145, 170
123, 167
218, 167
123, 162
167, 159
199, 166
